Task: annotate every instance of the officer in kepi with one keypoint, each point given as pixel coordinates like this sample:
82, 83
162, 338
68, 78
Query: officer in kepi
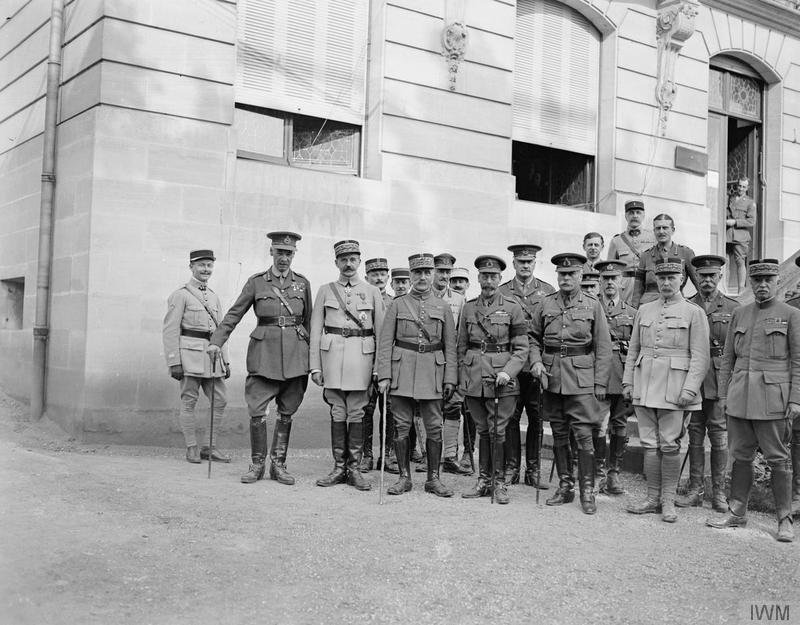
759, 383
492, 350
193, 312
571, 356
710, 418
417, 366
277, 356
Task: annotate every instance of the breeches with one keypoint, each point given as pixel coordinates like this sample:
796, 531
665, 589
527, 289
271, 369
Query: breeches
288, 394
660, 428
346, 405
482, 410
429, 409
581, 413
709, 418
773, 437
190, 391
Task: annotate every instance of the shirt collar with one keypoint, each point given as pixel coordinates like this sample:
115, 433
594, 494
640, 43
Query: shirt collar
353, 281
277, 274
197, 284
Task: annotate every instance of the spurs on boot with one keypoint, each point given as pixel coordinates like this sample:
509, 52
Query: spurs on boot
483, 486
403, 484
355, 443
280, 445
258, 451
192, 455
216, 454
785, 530
338, 474
586, 468
566, 482
729, 520
433, 484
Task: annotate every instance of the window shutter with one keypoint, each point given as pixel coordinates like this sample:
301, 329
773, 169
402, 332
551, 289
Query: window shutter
303, 56
556, 77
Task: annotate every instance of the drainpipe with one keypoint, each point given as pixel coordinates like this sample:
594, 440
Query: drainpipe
41, 327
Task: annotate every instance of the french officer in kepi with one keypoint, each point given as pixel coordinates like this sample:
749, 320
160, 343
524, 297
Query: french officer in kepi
492, 350
571, 355
193, 312
417, 366
277, 356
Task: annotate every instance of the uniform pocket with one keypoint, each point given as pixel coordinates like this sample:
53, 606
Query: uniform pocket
258, 333
193, 355
676, 332
440, 362
368, 345
739, 333
584, 370
196, 314
776, 390
777, 341
678, 368
397, 355
325, 342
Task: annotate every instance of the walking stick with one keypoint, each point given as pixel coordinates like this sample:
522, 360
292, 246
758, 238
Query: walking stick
540, 433
383, 439
494, 441
213, 393
469, 439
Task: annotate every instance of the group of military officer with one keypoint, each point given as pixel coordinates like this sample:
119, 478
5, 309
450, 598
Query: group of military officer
581, 357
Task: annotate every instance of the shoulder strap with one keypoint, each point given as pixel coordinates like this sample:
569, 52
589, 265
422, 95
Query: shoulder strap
627, 241
490, 337
208, 310
416, 320
347, 312
521, 302
283, 299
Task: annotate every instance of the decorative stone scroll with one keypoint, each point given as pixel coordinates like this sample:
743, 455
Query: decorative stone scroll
454, 45
674, 26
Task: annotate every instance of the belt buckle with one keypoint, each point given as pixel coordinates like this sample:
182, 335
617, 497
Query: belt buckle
281, 321
420, 348
345, 332
562, 350
483, 346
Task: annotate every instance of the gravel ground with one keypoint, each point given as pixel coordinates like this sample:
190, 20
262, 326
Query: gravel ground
137, 535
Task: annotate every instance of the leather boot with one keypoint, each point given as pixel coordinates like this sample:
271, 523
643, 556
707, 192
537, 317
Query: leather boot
670, 472
483, 486
277, 454
355, 445
741, 482
512, 452
652, 470
192, 455
719, 462
566, 481
366, 452
796, 476
258, 451
391, 461
338, 474
586, 476
616, 451
599, 443
403, 453
433, 485
467, 463
782, 491
216, 454
450, 446
696, 489
533, 439
500, 467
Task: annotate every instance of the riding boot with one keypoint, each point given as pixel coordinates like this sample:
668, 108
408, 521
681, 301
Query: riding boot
484, 484
652, 470
192, 455
741, 482
450, 445
599, 443
500, 467
533, 439
782, 491
796, 475
366, 452
258, 450
696, 489
586, 477
338, 474
719, 462
403, 453
433, 485
670, 471
355, 445
277, 454
616, 451
566, 482
512, 452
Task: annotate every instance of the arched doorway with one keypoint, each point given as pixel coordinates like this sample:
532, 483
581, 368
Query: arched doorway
735, 150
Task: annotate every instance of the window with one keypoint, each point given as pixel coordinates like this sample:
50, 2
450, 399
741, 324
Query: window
555, 104
296, 140
12, 295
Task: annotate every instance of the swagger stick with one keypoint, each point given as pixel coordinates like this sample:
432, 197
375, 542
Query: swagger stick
383, 441
213, 393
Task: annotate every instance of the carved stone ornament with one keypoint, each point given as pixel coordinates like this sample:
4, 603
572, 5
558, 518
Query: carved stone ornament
454, 45
674, 26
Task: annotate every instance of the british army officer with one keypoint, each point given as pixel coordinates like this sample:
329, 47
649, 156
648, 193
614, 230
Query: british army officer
347, 317
492, 350
193, 312
277, 356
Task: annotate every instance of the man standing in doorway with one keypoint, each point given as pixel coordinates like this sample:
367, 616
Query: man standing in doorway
740, 220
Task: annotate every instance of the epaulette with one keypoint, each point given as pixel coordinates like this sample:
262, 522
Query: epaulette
506, 283
299, 275
509, 299
258, 275
553, 294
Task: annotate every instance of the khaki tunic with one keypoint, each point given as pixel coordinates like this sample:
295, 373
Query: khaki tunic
347, 362
620, 318
646, 287
618, 249
185, 311
760, 372
454, 300
577, 322
743, 210
274, 352
504, 320
718, 315
528, 295
668, 353
415, 374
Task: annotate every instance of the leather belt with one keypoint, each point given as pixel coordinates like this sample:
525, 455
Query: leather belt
346, 332
420, 348
281, 321
717, 351
569, 350
493, 348
196, 334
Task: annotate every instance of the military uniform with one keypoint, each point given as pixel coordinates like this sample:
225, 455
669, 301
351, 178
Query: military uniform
193, 312
345, 325
527, 295
795, 303
667, 360
711, 417
628, 247
759, 378
277, 355
417, 356
572, 343
646, 288
492, 344
742, 209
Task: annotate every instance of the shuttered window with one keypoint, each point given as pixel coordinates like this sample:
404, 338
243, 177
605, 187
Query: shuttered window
556, 77
303, 56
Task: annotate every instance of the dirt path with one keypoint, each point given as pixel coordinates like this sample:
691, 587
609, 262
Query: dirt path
137, 535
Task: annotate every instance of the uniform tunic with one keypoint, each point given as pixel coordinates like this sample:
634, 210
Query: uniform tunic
454, 300
719, 311
642, 239
620, 318
743, 210
646, 287
526, 295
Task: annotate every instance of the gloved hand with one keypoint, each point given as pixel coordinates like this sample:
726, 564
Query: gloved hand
502, 379
447, 391
792, 411
176, 371
600, 393
212, 351
227, 370
383, 385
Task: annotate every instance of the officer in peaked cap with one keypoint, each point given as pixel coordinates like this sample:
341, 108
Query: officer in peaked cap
492, 350
527, 290
794, 302
711, 416
459, 280
628, 246
571, 356
590, 282
401, 279
277, 356
193, 312
345, 326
